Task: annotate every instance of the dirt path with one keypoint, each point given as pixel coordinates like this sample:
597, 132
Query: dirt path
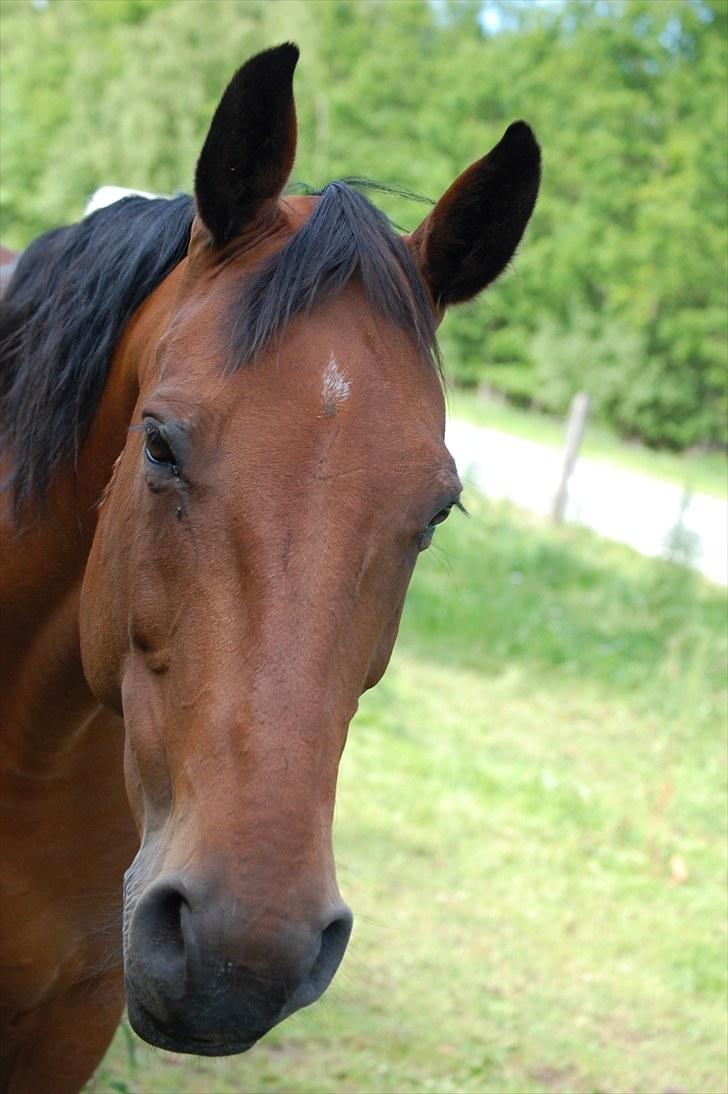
656, 518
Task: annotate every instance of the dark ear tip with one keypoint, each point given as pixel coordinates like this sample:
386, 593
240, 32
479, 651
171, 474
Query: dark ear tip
286, 53
519, 140
280, 59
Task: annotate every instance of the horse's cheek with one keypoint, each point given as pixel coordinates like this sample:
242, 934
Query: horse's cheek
383, 651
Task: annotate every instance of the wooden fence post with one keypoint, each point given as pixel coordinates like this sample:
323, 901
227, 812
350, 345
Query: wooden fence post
578, 411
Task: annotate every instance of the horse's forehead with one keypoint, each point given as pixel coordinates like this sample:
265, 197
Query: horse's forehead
335, 387
342, 366
328, 398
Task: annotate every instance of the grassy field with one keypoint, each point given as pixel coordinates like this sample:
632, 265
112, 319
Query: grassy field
531, 831
702, 471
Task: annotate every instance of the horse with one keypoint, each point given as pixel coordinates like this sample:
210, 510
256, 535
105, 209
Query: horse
223, 452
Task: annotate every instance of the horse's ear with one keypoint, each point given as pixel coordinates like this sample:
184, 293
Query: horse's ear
473, 231
249, 150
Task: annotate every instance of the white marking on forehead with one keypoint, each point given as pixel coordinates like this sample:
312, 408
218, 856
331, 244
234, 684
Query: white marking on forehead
336, 387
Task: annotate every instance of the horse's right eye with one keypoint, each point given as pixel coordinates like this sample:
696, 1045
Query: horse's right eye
156, 449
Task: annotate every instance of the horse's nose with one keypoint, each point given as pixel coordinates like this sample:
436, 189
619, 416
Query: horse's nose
202, 979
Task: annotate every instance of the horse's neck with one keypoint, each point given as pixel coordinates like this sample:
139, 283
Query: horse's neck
43, 694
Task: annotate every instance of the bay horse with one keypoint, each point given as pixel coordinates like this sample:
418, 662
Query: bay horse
222, 454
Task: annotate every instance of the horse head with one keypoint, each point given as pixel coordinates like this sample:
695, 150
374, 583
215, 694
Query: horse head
284, 469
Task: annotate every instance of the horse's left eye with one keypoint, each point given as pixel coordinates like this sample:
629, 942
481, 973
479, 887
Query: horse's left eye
426, 536
156, 449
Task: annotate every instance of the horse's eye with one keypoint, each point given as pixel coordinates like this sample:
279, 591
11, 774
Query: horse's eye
426, 536
156, 449
441, 516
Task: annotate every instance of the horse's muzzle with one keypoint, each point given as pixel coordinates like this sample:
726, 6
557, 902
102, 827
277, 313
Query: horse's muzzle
202, 981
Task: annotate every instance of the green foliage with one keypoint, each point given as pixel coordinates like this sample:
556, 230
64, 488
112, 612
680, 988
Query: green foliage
530, 828
628, 244
592, 358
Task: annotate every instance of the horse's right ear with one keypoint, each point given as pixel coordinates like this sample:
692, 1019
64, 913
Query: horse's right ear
249, 150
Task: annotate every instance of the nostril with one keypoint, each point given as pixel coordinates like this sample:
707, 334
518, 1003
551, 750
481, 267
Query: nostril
162, 920
169, 933
332, 944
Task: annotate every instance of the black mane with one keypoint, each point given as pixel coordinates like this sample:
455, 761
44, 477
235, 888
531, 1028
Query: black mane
73, 292
345, 237
75, 288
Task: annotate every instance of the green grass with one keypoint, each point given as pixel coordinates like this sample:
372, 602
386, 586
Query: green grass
696, 471
513, 796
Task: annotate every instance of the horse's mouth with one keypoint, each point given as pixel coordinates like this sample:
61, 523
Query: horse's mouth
147, 1027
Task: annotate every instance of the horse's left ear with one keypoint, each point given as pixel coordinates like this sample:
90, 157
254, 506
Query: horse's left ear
249, 150
473, 231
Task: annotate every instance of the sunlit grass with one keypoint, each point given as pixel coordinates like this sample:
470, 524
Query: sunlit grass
694, 471
531, 833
